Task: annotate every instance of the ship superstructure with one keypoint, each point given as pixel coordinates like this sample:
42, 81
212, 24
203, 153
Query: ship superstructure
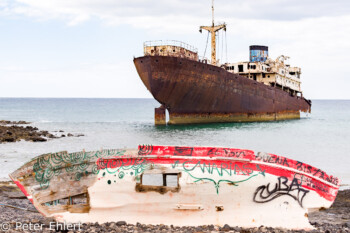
195, 90
263, 69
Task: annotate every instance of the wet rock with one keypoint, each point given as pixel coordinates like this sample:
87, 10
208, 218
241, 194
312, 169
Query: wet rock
121, 223
8, 139
226, 227
14, 133
238, 229
37, 139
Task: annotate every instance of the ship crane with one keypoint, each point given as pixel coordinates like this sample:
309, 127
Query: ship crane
213, 29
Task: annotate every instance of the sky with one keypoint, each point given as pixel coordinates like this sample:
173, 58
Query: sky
85, 48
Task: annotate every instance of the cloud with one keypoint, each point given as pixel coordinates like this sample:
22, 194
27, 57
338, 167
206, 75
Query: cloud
314, 33
121, 12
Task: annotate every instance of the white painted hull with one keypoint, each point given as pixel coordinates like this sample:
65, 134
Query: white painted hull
244, 190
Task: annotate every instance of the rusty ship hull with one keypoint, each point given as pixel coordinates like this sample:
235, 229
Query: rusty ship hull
197, 92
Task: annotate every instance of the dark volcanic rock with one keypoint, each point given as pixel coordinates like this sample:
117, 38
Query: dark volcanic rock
226, 228
37, 139
11, 132
3, 122
121, 223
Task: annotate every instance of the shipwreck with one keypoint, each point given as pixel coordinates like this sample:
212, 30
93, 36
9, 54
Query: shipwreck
194, 90
177, 185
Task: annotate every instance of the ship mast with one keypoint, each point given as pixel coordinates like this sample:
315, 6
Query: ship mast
213, 29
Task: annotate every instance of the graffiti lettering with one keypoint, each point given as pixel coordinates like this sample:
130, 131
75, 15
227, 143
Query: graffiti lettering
312, 183
218, 168
265, 194
221, 169
226, 153
315, 172
268, 158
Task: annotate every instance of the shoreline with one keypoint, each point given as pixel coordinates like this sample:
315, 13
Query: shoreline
15, 131
20, 210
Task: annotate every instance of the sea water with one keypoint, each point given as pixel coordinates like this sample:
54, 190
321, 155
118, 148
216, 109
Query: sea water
320, 139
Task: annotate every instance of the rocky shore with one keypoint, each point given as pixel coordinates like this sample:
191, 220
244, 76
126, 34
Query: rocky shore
13, 131
16, 209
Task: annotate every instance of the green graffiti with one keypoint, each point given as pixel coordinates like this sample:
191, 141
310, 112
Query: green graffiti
77, 165
136, 166
217, 183
211, 168
121, 175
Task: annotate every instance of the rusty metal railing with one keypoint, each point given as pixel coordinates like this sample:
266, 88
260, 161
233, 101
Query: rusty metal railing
170, 43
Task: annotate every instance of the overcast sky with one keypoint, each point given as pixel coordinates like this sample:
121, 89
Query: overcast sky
85, 48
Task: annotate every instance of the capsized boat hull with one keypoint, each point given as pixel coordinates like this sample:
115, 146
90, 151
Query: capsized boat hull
176, 185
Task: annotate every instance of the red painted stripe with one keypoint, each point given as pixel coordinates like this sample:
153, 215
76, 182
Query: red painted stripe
236, 153
24, 191
243, 168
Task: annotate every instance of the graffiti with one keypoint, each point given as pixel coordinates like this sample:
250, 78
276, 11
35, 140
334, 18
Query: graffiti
145, 149
113, 165
312, 183
237, 153
270, 158
219, 169
225, 152
264, 194
275, 159
77, 165
183, 151
316, 172
195, 151
217, 183
300, 166
122, 166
